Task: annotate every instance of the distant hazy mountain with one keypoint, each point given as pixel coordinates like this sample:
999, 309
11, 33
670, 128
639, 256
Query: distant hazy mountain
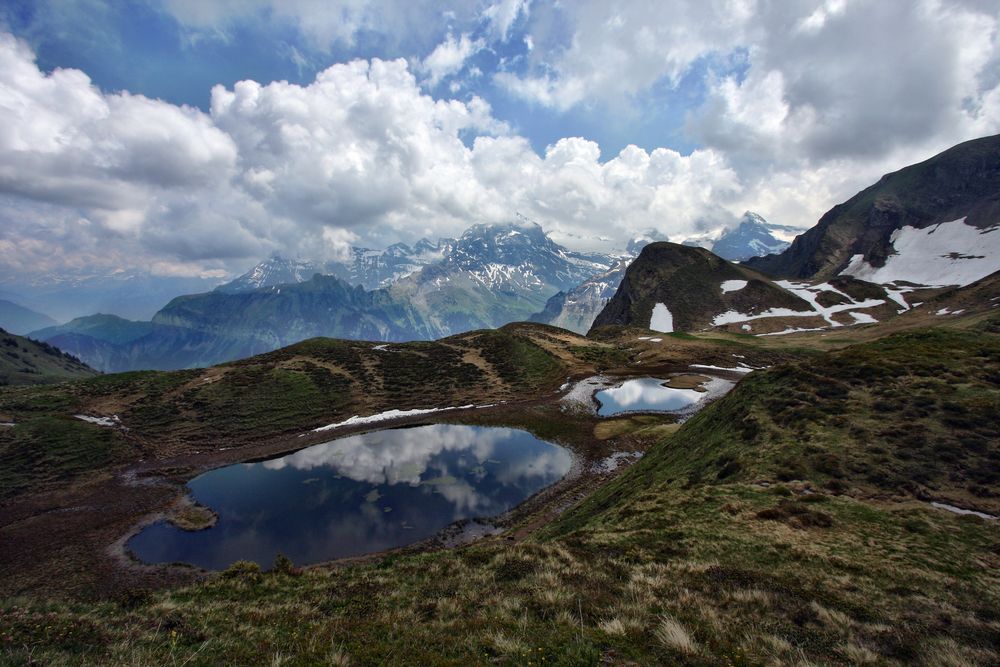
20, 320
935, 222
577, 308
108, 328
371, 269
492, 275
133, 295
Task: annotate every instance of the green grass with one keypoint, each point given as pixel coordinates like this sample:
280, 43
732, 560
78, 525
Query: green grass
283, 392
683, 559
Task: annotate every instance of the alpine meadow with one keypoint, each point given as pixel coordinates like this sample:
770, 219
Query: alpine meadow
499, 332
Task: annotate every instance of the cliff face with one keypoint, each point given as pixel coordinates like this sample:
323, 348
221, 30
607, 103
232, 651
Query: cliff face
961, 182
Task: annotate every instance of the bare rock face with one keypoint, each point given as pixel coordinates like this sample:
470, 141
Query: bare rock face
961, 182
576, 309
691, 283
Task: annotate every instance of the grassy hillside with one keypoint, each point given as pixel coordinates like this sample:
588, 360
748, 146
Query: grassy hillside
25, 361
785, 524
282, 393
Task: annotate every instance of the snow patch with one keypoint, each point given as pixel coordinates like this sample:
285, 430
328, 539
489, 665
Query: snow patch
790, 330
611, 463
959, 510
391, 414
111, 421
810, 293
950, 253
863, 318
581, 395
661, 320
733, 285
739, 369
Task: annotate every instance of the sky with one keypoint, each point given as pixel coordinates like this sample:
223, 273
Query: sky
195, 137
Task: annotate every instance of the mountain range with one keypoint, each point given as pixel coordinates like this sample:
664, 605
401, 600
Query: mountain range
17, 319
926, 226
885, 251
491, 275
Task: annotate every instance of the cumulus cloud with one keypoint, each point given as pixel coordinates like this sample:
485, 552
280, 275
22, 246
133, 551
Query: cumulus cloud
361, 153
844, 88
449, 57
798, 107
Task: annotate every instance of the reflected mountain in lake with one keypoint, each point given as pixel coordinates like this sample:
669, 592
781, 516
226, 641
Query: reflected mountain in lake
357, 495
642, 395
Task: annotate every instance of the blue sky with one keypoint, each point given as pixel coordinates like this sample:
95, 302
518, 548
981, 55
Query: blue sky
143, 48
126, 139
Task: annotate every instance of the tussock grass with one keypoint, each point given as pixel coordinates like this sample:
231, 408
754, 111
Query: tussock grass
667, 564
673, 635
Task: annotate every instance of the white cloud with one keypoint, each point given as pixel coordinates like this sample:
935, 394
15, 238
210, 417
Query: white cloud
449, 57
362, 153
802, 106
503, 14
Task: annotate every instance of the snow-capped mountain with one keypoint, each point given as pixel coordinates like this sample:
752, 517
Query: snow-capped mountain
518, 256
494, 274
371, 269
752, 237
133, 294
577, 308
275, 270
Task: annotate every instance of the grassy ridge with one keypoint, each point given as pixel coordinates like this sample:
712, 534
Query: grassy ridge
687, 558
911, 414
27, 362
287, 391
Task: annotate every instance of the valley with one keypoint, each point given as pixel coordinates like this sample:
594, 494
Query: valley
751, 505
709, 463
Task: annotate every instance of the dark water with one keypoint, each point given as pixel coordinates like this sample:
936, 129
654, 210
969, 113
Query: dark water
644, 394
357, 495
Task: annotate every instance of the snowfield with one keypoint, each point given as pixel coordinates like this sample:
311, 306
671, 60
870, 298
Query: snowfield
732, 285
808, 293
661, 319
950, 253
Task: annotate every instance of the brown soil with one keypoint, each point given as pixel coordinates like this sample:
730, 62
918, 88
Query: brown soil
71, 541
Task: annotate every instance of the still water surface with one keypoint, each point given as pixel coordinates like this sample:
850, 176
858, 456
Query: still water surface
357, 495
644, 394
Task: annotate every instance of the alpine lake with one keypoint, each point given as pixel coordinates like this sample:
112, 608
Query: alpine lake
356, 495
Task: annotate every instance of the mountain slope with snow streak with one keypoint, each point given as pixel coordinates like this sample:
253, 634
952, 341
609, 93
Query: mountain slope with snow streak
949, 253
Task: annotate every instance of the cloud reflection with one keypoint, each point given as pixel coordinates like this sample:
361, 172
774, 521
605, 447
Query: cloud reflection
645, 394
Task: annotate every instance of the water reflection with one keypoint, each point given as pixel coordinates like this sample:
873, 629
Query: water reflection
644, 394
358, 494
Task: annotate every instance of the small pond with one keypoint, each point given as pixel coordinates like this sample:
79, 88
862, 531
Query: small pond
357, 495
644, 394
